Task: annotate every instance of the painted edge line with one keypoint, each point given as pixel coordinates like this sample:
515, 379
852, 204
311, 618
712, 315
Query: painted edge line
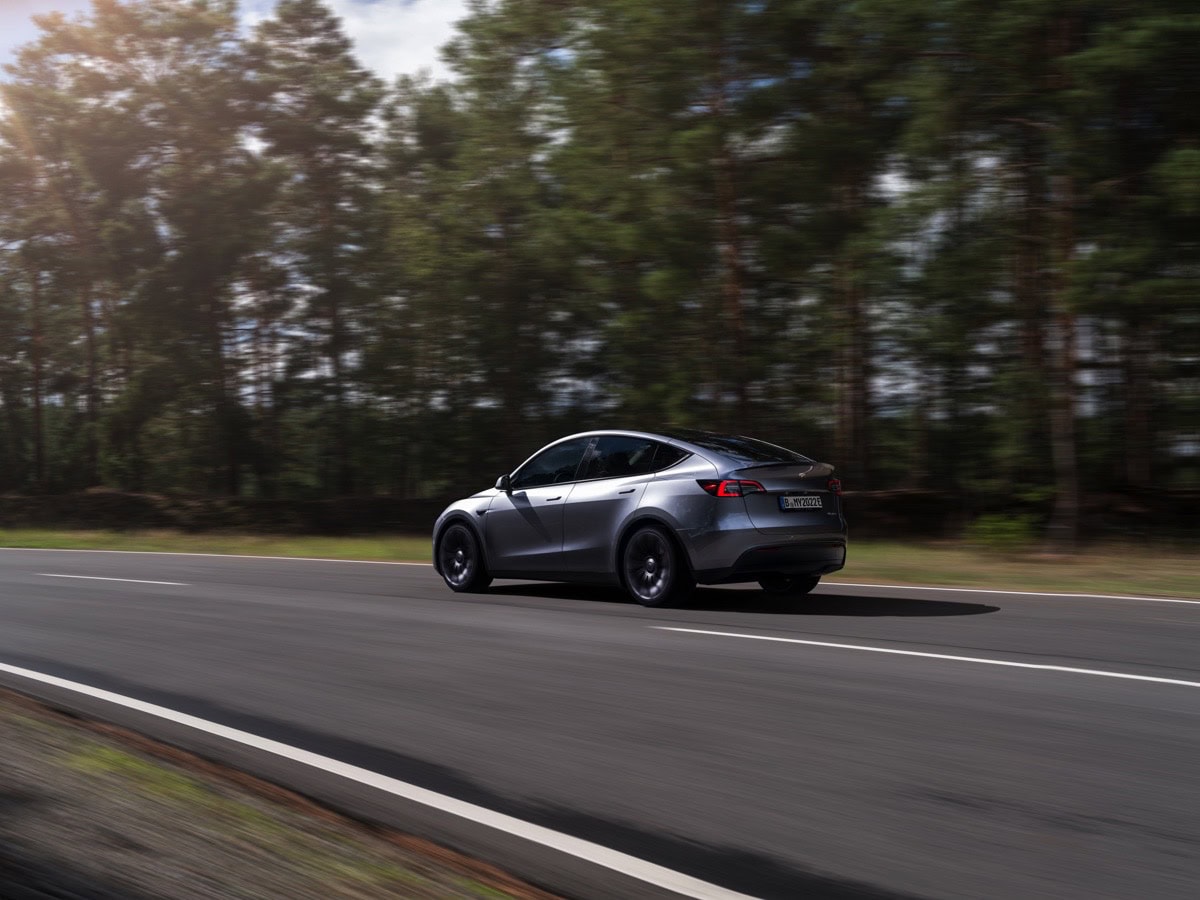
1031, 593
332, 559
967, 659
101, 578
648, 872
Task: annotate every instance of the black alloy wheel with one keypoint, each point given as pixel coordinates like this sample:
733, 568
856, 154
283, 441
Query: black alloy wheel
789, 585
461, 560
654, 572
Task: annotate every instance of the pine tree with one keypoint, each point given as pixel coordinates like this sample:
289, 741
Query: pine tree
318, 104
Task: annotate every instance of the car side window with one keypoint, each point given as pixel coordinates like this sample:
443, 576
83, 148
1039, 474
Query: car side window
615, 456
552, 466
666, 456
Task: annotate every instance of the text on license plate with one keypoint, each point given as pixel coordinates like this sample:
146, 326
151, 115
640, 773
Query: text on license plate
809, 502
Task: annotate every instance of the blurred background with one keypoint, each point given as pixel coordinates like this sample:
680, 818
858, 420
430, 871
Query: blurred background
951, 246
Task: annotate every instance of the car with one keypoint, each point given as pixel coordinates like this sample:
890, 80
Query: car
653, 512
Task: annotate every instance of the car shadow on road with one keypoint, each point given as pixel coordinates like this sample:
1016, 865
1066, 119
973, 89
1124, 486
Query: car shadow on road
755, 601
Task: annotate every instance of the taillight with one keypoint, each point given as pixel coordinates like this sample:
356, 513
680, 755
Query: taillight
835, 486
730, 488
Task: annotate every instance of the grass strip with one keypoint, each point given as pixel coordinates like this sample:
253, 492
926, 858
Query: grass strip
1138, 569
385, 548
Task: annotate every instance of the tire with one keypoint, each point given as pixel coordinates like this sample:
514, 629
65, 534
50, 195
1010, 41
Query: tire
460, 560
789, 585
653, 569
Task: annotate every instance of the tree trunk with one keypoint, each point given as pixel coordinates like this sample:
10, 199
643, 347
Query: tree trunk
918, 470
341, 440
13, 475
36, 353
229, 428
729, 235
731, 256
1028, 281
343, 471
224, 400
1138, 434
1064, 522
91, 388
853, 439
86, 248
515, 355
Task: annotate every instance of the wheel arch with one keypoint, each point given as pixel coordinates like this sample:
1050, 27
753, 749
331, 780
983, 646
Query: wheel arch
458, 518
648, 518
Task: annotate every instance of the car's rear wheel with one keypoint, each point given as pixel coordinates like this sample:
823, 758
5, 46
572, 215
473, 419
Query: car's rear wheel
654, 571
461, 560
789, 585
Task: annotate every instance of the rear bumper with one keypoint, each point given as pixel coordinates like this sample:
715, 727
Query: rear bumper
811, 557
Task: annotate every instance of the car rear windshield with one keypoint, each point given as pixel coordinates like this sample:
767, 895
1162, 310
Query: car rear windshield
743, 449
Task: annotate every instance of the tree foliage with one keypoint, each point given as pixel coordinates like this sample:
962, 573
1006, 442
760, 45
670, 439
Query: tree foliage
947, 243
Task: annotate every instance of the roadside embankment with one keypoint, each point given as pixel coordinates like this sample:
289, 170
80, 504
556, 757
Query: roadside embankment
87, 810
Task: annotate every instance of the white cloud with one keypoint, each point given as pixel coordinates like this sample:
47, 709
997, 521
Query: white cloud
254, 11
22, 10
394, 37
391, 37
16, 21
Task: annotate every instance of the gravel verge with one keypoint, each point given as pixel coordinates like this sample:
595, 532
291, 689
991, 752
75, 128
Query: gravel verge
92, 811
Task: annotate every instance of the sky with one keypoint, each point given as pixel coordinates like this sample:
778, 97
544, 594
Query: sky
391, 37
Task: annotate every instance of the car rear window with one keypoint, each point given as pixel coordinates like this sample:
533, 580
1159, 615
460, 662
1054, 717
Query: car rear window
743, 449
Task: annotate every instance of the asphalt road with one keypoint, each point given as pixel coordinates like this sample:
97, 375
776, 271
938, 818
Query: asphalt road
776, 768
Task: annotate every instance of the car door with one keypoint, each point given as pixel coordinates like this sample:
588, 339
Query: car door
524, 526
611, 483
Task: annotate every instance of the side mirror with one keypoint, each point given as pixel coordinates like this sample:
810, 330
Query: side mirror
504, 483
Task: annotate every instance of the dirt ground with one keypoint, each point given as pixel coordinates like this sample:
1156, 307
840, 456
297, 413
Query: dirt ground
91, 812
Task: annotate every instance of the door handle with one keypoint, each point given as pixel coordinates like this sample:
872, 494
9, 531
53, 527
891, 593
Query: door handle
627, 491
552, 499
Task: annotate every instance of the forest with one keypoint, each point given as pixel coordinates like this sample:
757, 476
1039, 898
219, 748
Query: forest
946, 245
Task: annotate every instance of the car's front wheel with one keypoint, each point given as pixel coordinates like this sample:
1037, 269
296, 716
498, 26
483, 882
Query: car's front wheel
460, 560
653, 570
789, 585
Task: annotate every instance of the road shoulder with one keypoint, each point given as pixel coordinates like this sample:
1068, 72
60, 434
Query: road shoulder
94, 810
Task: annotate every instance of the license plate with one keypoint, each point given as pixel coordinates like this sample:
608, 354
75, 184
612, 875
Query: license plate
808, 502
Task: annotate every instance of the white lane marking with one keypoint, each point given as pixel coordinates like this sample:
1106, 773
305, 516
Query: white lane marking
967, 590
365, 562
101, 578
388, 562
968, 659
649, 872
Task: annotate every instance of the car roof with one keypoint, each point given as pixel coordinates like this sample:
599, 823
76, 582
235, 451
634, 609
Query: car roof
601, 432
720, 448
669, 435
695, 440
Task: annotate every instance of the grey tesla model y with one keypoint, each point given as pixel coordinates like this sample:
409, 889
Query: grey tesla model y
653, 512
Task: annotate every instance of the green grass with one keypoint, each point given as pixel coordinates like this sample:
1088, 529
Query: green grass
329, 857
388, 548
97, 759
1108, 569
1120, 569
